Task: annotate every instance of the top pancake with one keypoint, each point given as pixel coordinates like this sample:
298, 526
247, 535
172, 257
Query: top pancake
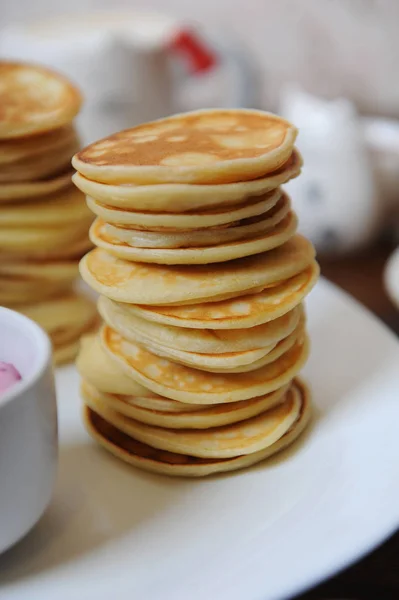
34, 100
205, 146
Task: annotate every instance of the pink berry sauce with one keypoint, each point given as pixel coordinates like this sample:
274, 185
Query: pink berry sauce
8, 376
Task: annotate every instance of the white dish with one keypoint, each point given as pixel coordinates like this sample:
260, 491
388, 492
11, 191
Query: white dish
264, 533
391, 277
28, 428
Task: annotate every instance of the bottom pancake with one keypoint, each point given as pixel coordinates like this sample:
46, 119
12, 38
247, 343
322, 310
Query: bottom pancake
183, 416
148, 458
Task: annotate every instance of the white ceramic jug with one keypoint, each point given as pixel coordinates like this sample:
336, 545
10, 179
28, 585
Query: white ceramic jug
335, 196
122, 63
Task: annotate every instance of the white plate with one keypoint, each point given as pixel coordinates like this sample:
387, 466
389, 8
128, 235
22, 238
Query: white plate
265, 533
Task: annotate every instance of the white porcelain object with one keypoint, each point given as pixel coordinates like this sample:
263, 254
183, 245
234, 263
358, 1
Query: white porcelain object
28, 428
122, 63
381, 136
391, 277
267, 532
335, 197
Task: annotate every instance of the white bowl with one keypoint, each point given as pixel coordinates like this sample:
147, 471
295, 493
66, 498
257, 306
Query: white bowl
28, 428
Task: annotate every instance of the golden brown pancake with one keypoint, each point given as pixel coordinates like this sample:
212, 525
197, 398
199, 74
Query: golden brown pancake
40, 240
147, 458
27, 191
203, 341
231, 362
62, 317
152, 284
19, 149
34, 99
65, 319
62, 271
271, 238
60, 209
168, 222
204, 146
246, 310
186, 384
187, 416
67, 351
40, 166
205, 237
192, 229
95, 367
182, 198
226, 441
19, 293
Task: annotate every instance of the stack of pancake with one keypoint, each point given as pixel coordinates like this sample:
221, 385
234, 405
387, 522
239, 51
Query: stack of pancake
44, 219
201, 279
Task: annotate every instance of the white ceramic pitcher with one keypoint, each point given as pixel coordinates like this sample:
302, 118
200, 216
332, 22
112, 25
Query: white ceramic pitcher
122, 63
335, 196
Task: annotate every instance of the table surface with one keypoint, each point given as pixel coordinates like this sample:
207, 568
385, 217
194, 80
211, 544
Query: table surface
377, 576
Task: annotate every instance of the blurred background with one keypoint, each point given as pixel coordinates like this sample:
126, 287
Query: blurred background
330, 66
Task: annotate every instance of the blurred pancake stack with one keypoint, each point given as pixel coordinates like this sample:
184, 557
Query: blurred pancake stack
201, 279
44, 220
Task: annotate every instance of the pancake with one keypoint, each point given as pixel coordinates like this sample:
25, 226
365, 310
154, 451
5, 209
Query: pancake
203, 341
63, 318
188, 385
272, 238
15, 291
67, 351
14, 298
95, 367
72, 251
34, 99
65, 207
39, 240
243, 311
65, 354
150, 459
148, 284
215, 363
237, 362
107, 377
204, 146
166, 222
243, 230
297, 336
147, 458
227, 441
28, 191
23, 283
38, 167
180, 198
65, 271
186, 418
20, 149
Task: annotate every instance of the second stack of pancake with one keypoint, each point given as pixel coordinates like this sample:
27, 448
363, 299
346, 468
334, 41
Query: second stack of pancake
202, 280
44, 220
